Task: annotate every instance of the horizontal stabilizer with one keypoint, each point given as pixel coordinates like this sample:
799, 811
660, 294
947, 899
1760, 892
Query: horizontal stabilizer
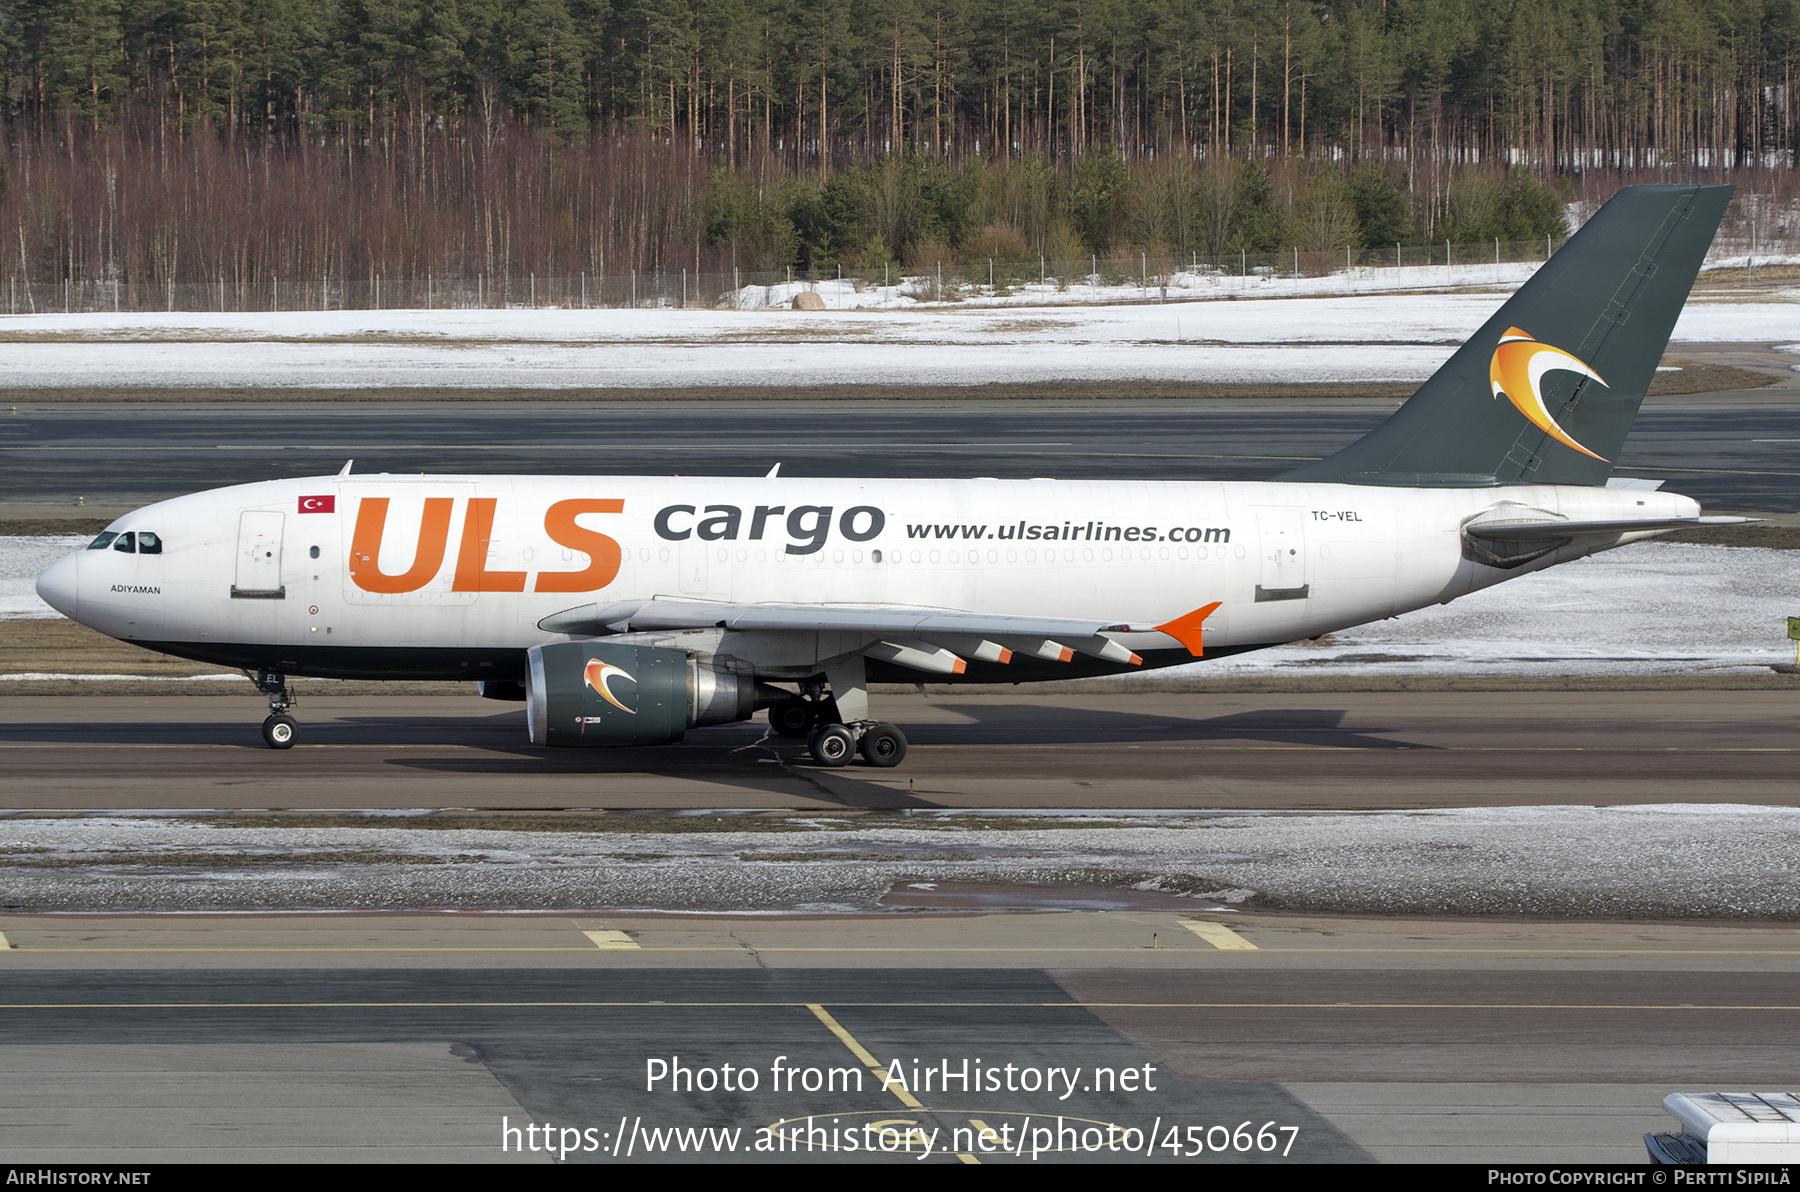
1543, 529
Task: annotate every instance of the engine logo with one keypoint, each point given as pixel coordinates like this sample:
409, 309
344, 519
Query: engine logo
1517, 369
599, 676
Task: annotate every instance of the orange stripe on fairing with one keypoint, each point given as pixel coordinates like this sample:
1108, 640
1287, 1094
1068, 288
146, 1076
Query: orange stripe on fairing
1186, 629
961, 666
1005, 655
1136, 661
1066, 654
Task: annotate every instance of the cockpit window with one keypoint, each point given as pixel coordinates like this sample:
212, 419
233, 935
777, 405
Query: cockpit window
148, 543
127, 543
104, 541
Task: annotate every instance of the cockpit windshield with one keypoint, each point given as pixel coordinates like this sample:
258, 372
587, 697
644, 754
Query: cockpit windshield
138, 542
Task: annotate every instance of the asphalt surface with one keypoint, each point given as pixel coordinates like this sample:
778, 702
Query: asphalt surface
1734, 451
1497, 1042
1340, 751
576, 1049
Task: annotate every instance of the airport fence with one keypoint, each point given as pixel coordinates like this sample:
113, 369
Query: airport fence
1130, 277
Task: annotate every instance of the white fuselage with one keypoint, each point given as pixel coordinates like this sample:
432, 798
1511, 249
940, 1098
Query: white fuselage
473, 563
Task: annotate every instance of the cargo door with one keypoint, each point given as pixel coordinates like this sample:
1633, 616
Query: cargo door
1283, 533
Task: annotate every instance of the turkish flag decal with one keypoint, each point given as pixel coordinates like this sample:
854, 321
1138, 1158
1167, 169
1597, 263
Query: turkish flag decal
318, 504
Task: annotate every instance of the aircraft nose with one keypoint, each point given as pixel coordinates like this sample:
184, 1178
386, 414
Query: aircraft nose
59, 585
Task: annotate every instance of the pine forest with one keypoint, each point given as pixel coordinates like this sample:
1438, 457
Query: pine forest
230, 145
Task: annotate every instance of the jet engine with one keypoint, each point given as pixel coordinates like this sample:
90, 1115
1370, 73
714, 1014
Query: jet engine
599, 693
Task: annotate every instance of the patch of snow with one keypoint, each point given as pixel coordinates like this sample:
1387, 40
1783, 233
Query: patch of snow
1335, 335
1681, 861
21, 560
1652, 608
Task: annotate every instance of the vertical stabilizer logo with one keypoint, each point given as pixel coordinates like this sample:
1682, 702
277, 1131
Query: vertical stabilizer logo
1518, 368
599, 676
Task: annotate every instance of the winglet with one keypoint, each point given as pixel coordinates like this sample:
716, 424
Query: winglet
1186, 629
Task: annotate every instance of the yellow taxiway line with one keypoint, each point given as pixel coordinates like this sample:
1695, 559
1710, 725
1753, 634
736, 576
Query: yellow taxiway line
869, 1061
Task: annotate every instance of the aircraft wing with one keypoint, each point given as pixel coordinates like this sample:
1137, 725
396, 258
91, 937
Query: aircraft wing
927, 639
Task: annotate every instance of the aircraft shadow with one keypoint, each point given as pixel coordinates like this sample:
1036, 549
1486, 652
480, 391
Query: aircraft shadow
503, 733
738, 759
1030, 723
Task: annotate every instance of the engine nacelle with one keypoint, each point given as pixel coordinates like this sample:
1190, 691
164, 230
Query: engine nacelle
598, 693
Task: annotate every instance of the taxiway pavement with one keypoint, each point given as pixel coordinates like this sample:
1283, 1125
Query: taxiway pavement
1734, 451
1337, 751
410, 1037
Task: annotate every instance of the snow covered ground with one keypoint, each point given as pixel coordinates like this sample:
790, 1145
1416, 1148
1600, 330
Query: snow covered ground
21, 559
1377, 336
1649, 609
1675, 862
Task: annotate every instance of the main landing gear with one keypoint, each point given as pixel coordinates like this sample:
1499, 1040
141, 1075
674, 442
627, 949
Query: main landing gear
881, 744
831, 739
279, 729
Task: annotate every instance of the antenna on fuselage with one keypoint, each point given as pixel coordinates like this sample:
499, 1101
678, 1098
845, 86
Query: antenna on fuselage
773, 472
346, 470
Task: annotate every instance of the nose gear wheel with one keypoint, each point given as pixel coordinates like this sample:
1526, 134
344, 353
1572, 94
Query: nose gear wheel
278, 732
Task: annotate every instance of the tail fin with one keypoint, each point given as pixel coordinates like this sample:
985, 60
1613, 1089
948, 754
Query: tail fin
1546, 391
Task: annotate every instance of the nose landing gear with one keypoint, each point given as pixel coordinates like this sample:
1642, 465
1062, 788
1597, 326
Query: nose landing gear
280, 729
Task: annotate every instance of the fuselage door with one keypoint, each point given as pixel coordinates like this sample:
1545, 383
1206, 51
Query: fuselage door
1283, 554
259, 556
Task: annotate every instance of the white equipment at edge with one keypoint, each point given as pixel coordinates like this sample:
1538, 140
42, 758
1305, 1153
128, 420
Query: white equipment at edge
1729, 1128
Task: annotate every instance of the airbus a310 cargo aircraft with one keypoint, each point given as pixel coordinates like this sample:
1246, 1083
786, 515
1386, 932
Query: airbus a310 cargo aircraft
625, 610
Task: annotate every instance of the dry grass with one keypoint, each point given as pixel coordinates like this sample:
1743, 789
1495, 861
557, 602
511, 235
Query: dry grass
62, 647
232, 860
1697, 377
1767, 537
57, 646
1758, 273
534, 821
